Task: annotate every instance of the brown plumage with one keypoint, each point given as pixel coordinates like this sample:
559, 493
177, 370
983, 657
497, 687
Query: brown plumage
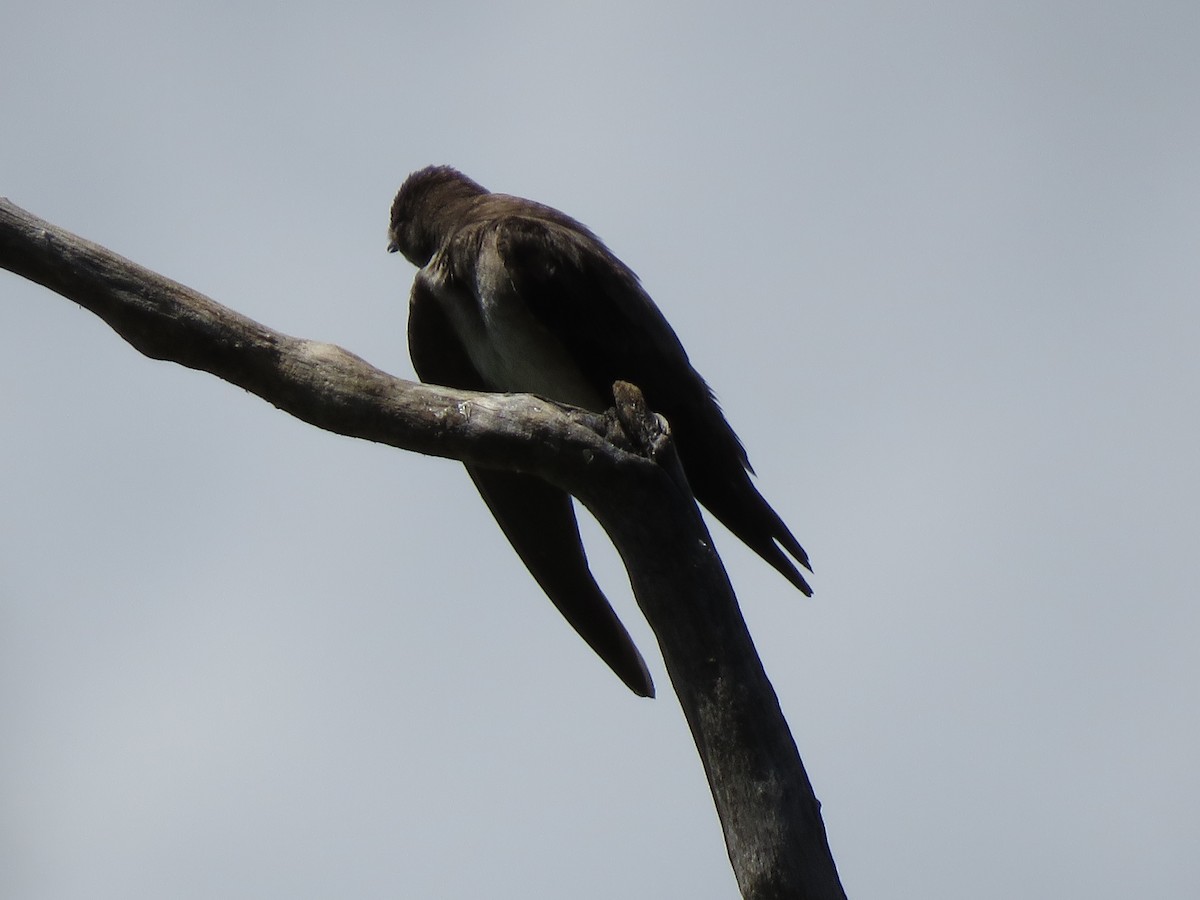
515, 296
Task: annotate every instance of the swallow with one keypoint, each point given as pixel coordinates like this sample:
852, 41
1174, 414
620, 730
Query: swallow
513, 296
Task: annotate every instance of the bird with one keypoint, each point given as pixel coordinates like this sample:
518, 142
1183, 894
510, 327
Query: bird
513, 296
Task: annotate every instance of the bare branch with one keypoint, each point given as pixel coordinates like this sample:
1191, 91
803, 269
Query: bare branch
317, 382
626, 474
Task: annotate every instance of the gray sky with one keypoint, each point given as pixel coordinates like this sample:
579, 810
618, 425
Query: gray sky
940, 263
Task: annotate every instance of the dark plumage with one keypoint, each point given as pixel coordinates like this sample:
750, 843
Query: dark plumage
514, 296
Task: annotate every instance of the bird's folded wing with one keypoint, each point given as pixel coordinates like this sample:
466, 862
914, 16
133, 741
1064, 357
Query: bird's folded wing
537, 518
539, 521
595, 307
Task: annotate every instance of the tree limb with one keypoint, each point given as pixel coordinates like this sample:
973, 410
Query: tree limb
621, 466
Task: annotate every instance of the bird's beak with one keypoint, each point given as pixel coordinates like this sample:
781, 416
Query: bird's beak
393, 246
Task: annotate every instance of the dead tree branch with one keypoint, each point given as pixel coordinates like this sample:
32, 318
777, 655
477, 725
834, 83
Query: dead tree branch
621, 466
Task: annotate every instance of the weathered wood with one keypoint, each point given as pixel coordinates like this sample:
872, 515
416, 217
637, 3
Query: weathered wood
621, 466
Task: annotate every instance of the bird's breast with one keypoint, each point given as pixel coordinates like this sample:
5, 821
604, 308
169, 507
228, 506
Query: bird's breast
512, 349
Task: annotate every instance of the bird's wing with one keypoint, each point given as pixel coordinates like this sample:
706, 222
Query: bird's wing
596, 308
537, 518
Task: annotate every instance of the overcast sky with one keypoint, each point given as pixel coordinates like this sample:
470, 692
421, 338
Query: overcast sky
941, 262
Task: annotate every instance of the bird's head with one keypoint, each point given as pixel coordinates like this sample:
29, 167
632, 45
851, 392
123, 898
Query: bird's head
426, 210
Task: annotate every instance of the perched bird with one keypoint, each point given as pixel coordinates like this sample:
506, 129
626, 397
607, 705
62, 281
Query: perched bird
513, 296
